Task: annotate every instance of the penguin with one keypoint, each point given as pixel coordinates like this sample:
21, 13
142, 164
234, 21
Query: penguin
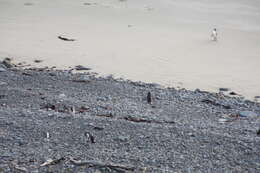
149, 98
214, 35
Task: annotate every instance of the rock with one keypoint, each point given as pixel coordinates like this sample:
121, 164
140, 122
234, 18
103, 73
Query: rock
37, 61
258, 132
80, 67
2, 96
247, 114
98, 128
222, 120
122, 138
62, 95
3, 83
7, 63
82, 78
2, 69
224, 89
65, 39
233, 93
87, 3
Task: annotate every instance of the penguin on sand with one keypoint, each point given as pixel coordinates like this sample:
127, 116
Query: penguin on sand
214, 35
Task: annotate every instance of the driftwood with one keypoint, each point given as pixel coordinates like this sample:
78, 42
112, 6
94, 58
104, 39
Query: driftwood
208, 101
65, 39
141, 120
52, 162
92, 163
17, 167
109, 115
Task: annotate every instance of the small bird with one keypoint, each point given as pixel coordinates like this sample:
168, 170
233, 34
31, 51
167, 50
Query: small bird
214, 35
149, 98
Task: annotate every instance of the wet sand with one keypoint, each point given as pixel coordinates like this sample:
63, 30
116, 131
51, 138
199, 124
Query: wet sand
164, 42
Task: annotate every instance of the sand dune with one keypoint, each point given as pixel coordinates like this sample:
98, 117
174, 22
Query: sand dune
167, 42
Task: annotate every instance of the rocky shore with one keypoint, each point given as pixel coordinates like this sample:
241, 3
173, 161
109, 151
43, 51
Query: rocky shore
58, 121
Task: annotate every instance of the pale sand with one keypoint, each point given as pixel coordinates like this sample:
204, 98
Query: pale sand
167, 42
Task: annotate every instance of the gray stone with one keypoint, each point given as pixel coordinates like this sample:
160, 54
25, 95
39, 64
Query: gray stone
247, 114
224, 89
37, 61
7, 63
121, 138
222, 120
62, 95
80, 67
83, 78
233, 93
2, 69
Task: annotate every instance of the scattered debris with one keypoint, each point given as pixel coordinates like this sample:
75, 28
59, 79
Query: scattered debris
90, 137
222, 120
17, 168
82, 109
247, 114
98, 128
80, 67
82, 79
52, 162
208, 101
26, 74
229, 119
49, 106
141, 120
201, 91
65, 39
149, 98
109, 115
65, 108
98, 164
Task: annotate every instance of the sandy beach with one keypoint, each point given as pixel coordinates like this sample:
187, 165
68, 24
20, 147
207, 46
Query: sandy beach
166, 42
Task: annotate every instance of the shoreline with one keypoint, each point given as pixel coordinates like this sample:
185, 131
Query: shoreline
166, 42
60, 121
37, 64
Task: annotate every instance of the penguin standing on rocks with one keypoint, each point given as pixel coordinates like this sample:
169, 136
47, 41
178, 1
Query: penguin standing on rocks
149, 98
214, 35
